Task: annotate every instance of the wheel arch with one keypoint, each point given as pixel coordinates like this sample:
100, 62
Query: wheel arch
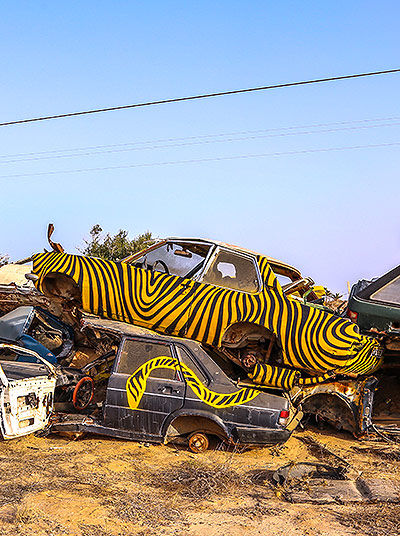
58, 285
239, 334
185, 422
333, 407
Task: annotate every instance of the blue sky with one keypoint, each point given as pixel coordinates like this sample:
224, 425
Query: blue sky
333, 214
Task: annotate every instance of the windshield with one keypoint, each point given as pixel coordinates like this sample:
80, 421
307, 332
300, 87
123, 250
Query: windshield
175, 258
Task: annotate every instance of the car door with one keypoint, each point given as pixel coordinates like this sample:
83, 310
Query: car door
165, 284
225, 295
145, 387
26, 394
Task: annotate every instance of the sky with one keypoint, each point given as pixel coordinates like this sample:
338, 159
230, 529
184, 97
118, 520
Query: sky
317, 198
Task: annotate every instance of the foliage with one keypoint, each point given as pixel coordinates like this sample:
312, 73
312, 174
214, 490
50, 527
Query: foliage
333, 295
115, 247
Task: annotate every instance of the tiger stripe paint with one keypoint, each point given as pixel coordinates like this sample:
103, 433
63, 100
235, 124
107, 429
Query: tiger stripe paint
275, 376
136, 385
310, 339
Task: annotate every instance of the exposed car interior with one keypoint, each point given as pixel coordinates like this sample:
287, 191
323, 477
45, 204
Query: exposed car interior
173, 258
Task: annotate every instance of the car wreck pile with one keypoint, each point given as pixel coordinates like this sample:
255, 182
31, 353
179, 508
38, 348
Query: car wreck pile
193, 339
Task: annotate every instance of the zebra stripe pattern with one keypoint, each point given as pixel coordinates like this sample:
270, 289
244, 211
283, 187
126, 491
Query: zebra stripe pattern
271, 376
136, 385
310, 339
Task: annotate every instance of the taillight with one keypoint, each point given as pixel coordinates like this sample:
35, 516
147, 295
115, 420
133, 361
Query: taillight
283, 417
352, 315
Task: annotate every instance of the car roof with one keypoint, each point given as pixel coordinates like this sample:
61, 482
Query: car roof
270, 260
126, 330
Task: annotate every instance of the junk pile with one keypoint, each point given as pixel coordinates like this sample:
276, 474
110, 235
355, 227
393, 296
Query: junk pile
193, 339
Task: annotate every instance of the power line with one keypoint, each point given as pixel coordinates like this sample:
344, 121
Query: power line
205, 136
276, 131
197, 97
130, 147
201, 160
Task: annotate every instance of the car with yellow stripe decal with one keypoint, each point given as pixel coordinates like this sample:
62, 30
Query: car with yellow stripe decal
164, 388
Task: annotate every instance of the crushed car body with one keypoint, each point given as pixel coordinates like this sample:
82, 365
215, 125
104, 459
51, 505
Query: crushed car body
369, 404
26, 392
220, 295
16, 290
256, 313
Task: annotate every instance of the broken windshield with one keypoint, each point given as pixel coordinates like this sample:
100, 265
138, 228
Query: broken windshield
174, 258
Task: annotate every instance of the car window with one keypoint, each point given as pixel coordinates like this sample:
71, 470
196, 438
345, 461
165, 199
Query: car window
187, 359
231, 369
232, 271
181, 259
283, 279
135, 353
390, 293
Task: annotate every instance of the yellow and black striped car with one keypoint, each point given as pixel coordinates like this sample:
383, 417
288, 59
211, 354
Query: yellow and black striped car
220, 295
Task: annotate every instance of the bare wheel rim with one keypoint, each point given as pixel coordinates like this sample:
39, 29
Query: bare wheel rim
198, 442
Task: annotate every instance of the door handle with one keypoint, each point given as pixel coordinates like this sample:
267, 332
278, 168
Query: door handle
168, 389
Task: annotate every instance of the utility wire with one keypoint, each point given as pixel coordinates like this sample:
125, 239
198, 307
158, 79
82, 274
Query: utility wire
127, 148
197, 97
288, 130
382, 120
200, 160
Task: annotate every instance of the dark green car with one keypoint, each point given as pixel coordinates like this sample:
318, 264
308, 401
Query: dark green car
375, 307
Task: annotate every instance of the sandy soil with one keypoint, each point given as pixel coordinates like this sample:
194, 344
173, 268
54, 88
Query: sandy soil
95, 486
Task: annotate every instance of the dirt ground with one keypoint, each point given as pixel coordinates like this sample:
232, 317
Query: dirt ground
96, 486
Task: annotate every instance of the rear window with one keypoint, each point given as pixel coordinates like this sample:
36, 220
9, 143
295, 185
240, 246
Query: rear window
390, 293
231, 369
187, 359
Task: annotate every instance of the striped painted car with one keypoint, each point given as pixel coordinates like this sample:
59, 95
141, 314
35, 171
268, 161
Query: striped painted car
220, 295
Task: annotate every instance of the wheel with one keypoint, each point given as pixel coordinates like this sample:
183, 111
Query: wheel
83, 393
198, 442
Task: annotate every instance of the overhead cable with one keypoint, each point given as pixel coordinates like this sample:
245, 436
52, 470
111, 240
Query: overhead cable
202, 139
198, 97
202, 160
125, 149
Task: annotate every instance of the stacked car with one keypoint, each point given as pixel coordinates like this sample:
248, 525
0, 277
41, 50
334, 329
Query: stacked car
192, 340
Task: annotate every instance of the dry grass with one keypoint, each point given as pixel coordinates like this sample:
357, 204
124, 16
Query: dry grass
145, 509
374, 520
386, 452
115, 488
199, 479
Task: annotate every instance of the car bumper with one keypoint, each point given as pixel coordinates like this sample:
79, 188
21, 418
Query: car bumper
260, 436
